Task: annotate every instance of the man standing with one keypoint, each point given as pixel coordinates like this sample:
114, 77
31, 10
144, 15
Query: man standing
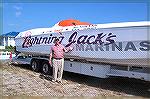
57, 60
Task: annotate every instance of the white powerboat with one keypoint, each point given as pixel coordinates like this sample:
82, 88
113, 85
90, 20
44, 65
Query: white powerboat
125, 43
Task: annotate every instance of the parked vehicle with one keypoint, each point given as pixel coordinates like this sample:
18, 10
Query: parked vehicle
6, 55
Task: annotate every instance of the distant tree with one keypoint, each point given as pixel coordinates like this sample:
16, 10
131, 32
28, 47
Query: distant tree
9, 49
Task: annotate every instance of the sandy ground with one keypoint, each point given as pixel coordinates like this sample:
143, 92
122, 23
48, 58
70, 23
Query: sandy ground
21, 81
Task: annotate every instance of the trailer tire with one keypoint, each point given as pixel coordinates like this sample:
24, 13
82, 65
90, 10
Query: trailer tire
46, 68
35, 65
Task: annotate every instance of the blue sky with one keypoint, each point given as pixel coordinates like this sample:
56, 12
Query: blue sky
23, 16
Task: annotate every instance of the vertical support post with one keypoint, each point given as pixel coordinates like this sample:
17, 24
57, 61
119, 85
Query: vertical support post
8, 41
4, 41
128, 68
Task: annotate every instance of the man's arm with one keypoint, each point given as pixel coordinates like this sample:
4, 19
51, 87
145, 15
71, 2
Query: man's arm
68, 49
50, 58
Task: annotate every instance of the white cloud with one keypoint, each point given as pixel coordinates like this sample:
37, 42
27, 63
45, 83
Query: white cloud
12, 24
28, 21
17, 7
18, 13
18, 10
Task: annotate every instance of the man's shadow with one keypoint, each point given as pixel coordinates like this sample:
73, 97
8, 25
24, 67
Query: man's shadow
45, 76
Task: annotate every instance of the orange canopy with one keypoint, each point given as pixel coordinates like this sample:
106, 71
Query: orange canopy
71, 22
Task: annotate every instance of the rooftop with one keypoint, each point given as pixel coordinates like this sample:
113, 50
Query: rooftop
10, 34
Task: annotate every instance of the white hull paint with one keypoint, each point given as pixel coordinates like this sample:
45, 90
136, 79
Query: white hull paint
126, 34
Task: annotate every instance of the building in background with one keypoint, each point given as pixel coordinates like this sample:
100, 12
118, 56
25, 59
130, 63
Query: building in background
7, 39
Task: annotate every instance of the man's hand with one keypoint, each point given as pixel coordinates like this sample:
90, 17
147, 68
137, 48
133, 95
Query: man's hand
70, 48
50, 62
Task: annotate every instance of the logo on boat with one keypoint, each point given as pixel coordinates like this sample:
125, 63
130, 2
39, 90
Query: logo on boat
99, 42
74, 38
92, 39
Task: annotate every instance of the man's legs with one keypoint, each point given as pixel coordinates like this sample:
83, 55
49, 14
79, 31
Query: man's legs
55, 69
60, 69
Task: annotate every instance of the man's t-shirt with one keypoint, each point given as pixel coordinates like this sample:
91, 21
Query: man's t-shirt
58, 51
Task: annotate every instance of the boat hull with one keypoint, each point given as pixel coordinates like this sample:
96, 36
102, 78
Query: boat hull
123, 45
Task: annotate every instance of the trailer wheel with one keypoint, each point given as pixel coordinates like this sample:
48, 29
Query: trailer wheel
46, 69
35, 65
